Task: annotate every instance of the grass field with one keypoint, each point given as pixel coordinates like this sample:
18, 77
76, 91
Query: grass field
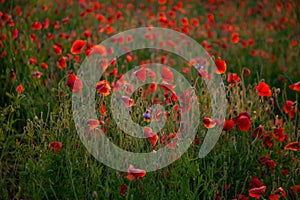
255, 46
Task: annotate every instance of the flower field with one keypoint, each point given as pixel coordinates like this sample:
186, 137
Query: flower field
254, 46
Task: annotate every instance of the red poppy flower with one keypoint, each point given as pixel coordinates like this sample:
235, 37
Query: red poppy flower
233, 78
278, 122
152, 87
279, 192
116, 86
156, 116
170, 96
243, 121
74, 83
268, 140
123, 189
167, 74
128, 102
162, 1
263, 89
167, 87
55, 146
209, 123
294, 43
128, 58
100, 17
129, 88
20, 89
50, 36
279, 134
140, 74
186, 70
32, 61
257, 192
98, 49
103, 87
151, 73
152, 137
211, 18
3, 37
228, 125
221, 66
77, 46
258, 132
36, 74
185, 101
195, 22
295, 190
294, 146
255, 182
3, 54
46, 23
185, 21
61, 63
133, 173
295, 86
87, 34
109, 30
285, 172
268, 162
235, 38
44, 66
36, 26
102, 108
114, 72
289, 108
92, 124
15, 33
57, 49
